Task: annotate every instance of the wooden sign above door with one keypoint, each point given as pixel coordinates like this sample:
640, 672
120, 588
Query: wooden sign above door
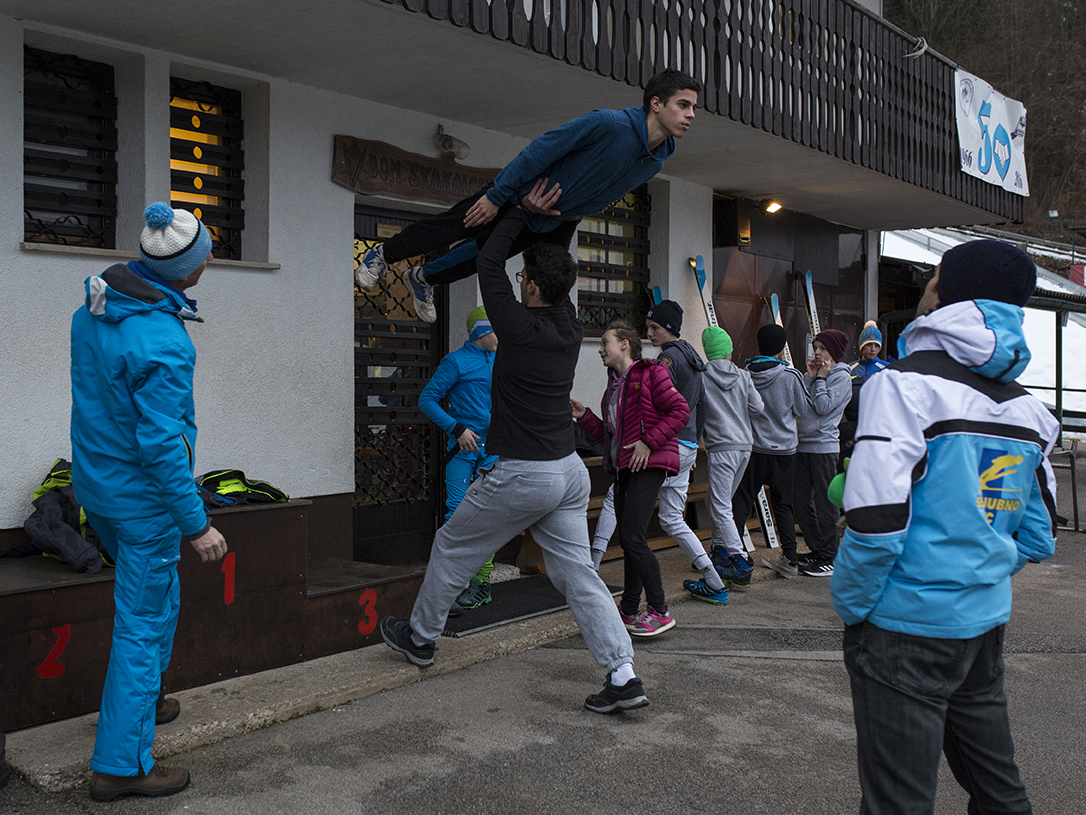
377, 168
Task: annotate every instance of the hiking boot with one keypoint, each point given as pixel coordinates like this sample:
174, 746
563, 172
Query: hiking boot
397, 636
162, 780
475, 595
701, 591
735, 571
612, 698
423, 295
166, 709
652, 622
823, 567
371, 269
782, 566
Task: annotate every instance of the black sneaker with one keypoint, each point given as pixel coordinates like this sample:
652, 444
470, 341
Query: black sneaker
823, 567
808, 558
397, 636
629, 697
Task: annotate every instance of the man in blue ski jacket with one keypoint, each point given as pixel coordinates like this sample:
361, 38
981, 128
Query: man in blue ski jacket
590, 162
949, 493
464, 377
133, 436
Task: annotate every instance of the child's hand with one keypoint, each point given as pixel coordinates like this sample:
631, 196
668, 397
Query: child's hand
481, 212
577, 408
640, 458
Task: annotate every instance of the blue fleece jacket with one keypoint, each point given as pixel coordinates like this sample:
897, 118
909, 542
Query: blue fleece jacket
133, 418
949, 491
463, 376
597, 158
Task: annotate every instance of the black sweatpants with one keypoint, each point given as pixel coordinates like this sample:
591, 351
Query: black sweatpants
434, 233
635, 498
776, 472
818, 517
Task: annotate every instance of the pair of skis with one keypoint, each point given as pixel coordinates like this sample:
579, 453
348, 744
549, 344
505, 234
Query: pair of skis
813, 324
765, 514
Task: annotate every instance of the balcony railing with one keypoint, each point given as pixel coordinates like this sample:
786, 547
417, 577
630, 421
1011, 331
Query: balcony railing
827, 74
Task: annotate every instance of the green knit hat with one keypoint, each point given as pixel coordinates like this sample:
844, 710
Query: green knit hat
716, 342
478, 323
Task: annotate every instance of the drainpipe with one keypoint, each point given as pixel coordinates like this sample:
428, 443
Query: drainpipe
871, 274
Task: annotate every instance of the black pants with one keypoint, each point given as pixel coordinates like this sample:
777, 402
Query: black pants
816, 514
776, 472
635, 498
432, 234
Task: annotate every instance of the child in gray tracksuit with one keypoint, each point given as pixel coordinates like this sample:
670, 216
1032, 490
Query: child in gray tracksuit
829, 383
772, 458
729, 401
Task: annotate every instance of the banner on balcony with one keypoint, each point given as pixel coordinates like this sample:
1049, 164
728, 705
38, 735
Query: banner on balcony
991, 134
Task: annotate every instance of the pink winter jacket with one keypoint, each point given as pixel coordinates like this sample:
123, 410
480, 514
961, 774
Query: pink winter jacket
652, 411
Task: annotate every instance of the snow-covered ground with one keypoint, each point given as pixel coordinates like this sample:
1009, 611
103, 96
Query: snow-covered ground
928, 245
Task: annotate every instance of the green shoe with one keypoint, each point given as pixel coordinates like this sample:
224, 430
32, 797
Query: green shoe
476, 594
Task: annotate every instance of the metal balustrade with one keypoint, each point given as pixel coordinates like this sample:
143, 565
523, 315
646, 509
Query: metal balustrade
827, 74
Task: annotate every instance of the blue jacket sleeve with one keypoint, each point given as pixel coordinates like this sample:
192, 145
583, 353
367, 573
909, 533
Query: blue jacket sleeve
889, 444
544, 151
444, 379
1036, 535
164, 393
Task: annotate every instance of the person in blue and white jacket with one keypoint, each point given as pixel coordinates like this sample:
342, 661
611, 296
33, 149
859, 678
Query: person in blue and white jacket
948, 494
590, 162
464, 377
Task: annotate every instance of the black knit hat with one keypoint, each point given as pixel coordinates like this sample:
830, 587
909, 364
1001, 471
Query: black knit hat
986, 270
667, 313
771, 340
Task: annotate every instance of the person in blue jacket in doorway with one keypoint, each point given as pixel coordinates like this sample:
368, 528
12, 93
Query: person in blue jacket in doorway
464, 377
133, 432
591, 162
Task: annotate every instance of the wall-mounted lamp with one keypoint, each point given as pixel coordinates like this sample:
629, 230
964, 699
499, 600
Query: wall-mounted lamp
769, 205
450, 145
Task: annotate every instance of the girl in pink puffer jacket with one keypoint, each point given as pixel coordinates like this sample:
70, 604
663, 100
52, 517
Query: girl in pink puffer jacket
642, 416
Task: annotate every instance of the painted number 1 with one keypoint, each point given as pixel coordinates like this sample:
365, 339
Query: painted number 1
228, 570
368, 599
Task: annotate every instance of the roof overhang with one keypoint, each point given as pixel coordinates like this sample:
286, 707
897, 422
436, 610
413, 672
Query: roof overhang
380, 52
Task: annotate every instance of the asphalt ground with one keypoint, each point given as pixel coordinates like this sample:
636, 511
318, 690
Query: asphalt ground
749, 712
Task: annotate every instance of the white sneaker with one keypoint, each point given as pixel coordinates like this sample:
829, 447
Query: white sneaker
371, 269
423, 294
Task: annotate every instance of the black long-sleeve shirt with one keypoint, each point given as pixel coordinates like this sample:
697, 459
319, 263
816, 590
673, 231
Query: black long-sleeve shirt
535, 363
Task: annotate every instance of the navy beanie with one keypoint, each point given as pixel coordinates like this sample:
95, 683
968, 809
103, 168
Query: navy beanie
986, 270
667, 313
771, 340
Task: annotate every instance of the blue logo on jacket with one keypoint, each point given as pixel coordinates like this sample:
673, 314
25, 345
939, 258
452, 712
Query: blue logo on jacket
993, 497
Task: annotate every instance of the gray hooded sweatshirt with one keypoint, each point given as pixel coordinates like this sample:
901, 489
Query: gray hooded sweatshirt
729, 400
829, 398
786, 398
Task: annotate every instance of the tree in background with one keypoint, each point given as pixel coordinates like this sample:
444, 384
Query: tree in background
1033, 51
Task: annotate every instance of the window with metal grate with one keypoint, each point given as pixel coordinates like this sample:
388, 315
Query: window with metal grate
207, 161
69, 150
613, 264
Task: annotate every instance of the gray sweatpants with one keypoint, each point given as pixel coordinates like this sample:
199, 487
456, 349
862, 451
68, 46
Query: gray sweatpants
726, 468
549, 498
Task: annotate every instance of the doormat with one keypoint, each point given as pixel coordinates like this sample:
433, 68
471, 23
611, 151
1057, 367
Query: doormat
511, 600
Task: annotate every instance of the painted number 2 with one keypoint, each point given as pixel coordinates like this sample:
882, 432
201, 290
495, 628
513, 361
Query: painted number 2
368, 599
228, 583
51, 668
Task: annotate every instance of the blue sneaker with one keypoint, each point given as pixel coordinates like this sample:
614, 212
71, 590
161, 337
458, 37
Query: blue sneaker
423, 295
734, 570
371, 269
701, 591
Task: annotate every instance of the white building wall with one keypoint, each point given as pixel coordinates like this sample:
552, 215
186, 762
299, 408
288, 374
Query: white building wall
274, 378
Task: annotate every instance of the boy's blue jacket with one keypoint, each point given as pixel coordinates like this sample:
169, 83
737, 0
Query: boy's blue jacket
133, 422
463, 375
597, 158
950, 490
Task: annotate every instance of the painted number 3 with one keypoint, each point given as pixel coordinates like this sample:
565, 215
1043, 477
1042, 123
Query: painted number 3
368, 599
